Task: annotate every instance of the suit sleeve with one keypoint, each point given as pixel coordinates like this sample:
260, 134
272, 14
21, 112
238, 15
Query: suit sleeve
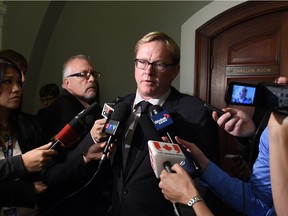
195, 124
69, 167
11, 168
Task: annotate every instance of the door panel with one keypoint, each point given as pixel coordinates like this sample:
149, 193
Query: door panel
252, 48
248, 43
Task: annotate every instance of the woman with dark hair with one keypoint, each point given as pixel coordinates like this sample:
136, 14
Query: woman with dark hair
19, 134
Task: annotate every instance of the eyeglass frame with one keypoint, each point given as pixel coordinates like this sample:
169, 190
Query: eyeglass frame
86, 74
153, 64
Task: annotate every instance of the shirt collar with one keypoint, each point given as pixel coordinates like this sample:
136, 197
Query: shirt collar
155, 101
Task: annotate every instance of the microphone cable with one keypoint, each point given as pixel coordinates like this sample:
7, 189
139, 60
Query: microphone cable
71, 194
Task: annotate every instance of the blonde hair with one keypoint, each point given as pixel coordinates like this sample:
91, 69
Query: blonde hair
161, 37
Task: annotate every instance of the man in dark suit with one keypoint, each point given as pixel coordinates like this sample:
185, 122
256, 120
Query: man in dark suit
136, 191
73, 167
79, 91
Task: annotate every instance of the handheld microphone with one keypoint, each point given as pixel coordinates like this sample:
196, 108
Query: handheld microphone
108, 108
79, 125
120, 115
157, 161
163, 122
151, 134
162, 155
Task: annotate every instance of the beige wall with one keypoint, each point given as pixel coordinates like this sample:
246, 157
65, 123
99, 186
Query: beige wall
48, 33
188, 38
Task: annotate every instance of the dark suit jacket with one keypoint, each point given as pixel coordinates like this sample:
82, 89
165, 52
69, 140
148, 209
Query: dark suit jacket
139, 193
59, 113
17, 188
67, 174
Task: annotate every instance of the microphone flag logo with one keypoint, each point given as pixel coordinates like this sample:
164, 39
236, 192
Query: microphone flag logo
107, 110
111, 127
160, 152
162, 120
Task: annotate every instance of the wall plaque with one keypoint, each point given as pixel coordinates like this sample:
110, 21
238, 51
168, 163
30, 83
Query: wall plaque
252, 70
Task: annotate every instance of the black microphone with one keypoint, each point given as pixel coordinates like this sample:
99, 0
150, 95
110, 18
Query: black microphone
108, 108
78, 126
163, 123
120, 115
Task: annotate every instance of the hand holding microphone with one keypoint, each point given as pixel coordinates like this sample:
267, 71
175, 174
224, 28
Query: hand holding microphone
163, 123
78, 126
120, 115
162, 156
107, 129
179, 187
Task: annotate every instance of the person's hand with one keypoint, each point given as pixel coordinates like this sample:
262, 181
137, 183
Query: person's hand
282, 80
235, 122
197, 154
177, 187
40, 187
97, 130
36, 159
95, 152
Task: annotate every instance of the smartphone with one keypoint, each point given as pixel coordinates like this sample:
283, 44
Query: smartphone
212, 108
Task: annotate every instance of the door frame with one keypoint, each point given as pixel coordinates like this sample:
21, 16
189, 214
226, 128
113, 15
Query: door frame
205, 34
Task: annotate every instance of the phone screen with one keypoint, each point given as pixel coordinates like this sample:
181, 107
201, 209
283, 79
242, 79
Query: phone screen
241, 94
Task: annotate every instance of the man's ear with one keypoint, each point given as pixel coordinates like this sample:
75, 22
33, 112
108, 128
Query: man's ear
65, 83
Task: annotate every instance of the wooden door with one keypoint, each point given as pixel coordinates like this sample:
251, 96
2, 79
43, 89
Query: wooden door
248, 43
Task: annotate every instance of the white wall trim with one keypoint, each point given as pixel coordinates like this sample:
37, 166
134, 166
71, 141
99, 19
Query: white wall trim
188, 30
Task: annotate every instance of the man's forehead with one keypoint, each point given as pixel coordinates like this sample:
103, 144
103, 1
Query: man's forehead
80, 63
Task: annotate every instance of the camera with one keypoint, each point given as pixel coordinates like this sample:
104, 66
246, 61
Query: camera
266, 95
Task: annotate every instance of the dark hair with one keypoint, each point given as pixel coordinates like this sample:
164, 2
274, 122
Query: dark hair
16, 58
4, 64
21, 126
50, 89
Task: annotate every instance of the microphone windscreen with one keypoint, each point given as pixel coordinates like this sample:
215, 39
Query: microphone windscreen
121, 113
79, 125
148, 128
155, 109
67, 135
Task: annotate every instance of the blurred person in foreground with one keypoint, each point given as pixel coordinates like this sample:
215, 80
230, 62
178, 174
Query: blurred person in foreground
278, 136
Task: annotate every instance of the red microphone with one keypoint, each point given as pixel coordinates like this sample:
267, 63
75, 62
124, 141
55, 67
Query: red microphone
78, 126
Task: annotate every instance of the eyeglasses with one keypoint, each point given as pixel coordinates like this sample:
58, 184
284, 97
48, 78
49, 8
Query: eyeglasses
86, 74
157, 66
